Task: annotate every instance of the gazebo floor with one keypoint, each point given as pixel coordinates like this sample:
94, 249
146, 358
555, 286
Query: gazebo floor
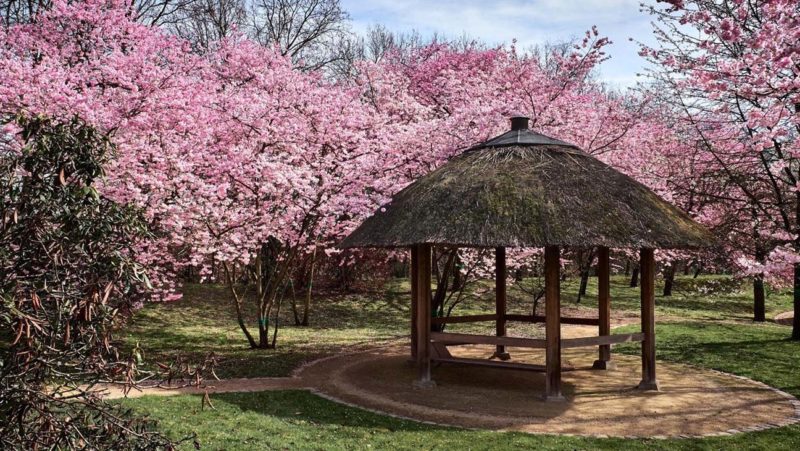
692, 402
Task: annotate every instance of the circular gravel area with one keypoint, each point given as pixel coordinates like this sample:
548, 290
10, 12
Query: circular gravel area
692, 402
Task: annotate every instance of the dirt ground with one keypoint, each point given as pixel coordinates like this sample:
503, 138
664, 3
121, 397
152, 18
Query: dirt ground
691, 402
785, 318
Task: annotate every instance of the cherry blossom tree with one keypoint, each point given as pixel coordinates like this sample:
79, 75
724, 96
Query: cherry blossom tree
238, 159
730, 67
233, 155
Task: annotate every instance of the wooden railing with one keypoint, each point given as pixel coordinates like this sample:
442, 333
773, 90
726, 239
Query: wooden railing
600, 340
464, 319
520, 318
452, 338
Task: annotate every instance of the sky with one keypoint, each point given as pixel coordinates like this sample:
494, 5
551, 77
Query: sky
530, 22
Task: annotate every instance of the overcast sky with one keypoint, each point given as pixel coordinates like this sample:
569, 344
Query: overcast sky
529, 21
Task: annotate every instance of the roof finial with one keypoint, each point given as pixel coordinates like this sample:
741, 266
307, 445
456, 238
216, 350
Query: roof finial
519, 122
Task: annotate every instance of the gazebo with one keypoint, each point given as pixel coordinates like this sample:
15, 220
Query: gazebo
524, 189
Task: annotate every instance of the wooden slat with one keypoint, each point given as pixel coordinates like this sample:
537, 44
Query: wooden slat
500, 296
604, 300
600, 340
492, 363
463, 319
414, 301
563, 320
423, 287
452, 338
552, 311
648, 271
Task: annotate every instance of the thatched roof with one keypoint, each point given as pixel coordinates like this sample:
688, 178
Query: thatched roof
523, 189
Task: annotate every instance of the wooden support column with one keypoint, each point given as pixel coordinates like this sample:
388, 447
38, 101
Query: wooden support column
552, 311
648, 274
603, 361
414, 302
500, 299
423, 290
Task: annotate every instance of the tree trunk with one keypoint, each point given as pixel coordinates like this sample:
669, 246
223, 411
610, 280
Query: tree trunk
759, 304
584, 283
458, 278
585, 259
442, 282
237, 302
796, 320
669, 278
263, 333
635, 276
759, 308
307, 304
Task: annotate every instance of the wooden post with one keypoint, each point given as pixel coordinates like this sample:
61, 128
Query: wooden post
603, 361
423, 290
552, 311
414, 301
500, 299
647, 267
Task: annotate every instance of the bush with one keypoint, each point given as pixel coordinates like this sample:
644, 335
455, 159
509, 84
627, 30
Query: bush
67, 274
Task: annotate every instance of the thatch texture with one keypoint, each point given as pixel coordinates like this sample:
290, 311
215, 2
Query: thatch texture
527, 194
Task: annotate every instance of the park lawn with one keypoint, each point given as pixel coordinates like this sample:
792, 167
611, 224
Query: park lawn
203, 321
707, 330
302, 420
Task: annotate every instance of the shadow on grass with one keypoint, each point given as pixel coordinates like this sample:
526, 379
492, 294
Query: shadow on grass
291, 404
762, 352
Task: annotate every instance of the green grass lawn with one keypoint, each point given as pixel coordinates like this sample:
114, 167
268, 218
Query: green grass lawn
709, 327
301, 420
204, 320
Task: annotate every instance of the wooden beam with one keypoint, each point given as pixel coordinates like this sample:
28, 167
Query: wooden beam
492, 363
464, 319
648, 274
500, 299
439, 351
453, 338
423, 290
552, 296
603, 361
562, 320
414, 301
600, 340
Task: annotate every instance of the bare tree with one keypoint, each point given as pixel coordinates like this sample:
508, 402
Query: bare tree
21, 11
372, 46
150, 12
306, 30
203, 22
160, 12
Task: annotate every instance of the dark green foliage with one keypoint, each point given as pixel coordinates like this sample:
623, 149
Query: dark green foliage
66, 273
